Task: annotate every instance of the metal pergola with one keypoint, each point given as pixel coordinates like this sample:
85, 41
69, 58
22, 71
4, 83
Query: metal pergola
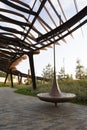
27, 27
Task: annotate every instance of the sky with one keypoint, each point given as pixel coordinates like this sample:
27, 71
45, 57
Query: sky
66, 53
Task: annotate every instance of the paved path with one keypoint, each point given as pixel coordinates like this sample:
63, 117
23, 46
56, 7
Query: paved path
19, 112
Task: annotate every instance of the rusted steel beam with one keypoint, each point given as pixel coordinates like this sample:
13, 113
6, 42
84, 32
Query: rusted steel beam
14, 21
13, 12
63, 13
68, 33
35, 18
20, 24
22, 3
55, 11
9, 29
64, 26
15, 6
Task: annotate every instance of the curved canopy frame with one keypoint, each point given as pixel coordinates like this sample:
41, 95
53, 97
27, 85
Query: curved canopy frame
27, 27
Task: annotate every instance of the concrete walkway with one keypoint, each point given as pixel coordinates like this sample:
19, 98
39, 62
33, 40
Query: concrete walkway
19, 112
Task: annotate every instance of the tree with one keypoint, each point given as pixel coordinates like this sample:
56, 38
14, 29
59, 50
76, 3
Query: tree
79, 70
2, 74
62, 73
48, 72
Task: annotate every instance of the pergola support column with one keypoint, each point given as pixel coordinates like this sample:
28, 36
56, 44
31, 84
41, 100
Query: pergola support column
11, 78
32, 70
6, 78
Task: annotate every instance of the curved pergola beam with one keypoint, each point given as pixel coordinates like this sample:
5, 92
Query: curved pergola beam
15, 6
13, 12
64, 26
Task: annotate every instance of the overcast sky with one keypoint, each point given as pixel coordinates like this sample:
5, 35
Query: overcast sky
66, 53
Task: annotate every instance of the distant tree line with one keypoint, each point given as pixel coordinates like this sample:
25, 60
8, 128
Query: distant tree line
80, 72
48, 72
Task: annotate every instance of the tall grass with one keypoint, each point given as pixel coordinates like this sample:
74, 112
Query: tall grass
70, 86
78, 87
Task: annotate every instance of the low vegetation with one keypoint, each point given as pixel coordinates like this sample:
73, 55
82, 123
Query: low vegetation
79, 87
5, 85
71, 86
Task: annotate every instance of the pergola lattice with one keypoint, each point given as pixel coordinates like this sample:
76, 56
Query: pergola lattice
27, 27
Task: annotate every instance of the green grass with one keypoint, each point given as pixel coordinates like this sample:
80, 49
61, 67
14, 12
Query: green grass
28, 90
5, 85
77, 87
69, 86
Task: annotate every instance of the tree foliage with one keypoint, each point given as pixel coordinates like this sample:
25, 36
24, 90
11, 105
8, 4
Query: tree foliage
79, 70
48, 72
62, 73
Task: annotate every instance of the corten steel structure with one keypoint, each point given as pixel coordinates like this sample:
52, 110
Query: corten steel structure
29, 26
